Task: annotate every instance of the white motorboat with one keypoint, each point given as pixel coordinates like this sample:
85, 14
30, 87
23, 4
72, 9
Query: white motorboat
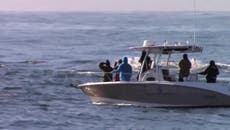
159, 86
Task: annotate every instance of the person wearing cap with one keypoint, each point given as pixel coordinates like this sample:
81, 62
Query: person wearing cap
212, 71
185, 66
124, 70
107, 69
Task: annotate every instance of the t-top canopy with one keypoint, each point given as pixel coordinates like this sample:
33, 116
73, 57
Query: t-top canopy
169, 49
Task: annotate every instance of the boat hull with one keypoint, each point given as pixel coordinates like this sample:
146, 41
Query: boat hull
155, 94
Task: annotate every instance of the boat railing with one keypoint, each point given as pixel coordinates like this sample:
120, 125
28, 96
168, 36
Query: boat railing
162, 74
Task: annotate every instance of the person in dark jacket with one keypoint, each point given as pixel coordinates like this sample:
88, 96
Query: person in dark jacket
185, 66
124, 69
147, 63
212, 71
107, 69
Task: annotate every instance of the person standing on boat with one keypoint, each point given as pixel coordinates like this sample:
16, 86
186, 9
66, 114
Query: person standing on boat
147, 62
107, 69
117, 63
185, 66
124, 70
212, 71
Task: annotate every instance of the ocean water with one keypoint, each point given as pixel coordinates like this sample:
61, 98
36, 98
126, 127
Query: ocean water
42, 53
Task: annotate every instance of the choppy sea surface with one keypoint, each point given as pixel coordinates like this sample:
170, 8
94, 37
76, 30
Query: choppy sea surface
42, 53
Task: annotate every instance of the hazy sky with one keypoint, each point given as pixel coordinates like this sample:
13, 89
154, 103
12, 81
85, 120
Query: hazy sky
113, 5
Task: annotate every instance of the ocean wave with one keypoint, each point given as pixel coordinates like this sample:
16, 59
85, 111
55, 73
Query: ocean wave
223, 65
33, 62
80, 62
3, 65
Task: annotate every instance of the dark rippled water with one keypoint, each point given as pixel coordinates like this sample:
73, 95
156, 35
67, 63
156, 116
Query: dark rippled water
41, 54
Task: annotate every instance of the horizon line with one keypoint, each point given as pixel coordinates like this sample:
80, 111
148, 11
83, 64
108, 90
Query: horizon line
108, 11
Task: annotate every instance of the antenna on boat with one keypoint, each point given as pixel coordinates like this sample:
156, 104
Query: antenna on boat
194, 20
